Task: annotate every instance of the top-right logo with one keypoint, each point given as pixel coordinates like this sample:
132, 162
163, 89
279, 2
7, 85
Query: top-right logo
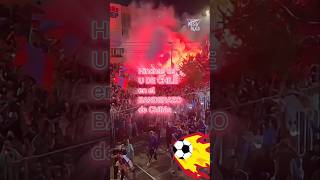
193, 24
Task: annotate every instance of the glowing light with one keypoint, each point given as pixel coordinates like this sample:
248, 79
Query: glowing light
172, 48
160, 100
208, 12
181, 51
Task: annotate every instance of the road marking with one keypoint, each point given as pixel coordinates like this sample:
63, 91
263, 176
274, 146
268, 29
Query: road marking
153, 178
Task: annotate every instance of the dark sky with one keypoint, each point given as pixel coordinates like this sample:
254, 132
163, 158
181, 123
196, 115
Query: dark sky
181, 6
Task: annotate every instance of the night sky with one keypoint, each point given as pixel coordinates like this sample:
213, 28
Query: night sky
180, 6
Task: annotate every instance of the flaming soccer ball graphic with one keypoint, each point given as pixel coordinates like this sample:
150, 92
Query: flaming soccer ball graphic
182, 149
192, 153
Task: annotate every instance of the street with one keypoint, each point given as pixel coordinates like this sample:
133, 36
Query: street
158, 170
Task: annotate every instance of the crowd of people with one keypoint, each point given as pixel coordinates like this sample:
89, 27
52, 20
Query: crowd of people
259, 145
262, 141
158, 131
36, 119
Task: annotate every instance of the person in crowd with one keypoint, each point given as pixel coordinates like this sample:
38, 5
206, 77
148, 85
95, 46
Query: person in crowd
297, 169
283, 153
311, 161
122, 166
152, 147
129, 125
177, 134
116, 157
3, 161
10, 154
157, 130
174, 166
185, 130
123, 132
202, 126
261, 166
191, 126
134, 125
169, 132
129, 150
269, 134
232, 171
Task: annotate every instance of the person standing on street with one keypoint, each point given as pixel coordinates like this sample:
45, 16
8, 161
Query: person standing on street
169, 132
152, 148
129, 125
134, 125
129, 150
122, 167
115, 156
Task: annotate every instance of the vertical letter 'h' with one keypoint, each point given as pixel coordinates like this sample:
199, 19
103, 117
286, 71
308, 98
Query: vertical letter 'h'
96, 30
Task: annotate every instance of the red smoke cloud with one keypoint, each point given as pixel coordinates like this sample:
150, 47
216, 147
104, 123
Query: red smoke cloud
155, 34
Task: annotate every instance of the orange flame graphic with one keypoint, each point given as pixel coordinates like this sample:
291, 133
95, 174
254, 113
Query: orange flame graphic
200, 158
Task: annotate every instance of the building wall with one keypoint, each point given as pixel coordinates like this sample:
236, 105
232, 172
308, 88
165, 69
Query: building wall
115, 25
119, 29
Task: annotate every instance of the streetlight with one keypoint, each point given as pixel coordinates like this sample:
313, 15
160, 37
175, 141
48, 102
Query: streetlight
208, 12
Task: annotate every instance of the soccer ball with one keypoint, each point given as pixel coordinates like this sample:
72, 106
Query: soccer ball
182, 149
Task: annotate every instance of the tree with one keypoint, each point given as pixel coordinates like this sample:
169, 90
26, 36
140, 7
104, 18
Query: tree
272, 39
197, 68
